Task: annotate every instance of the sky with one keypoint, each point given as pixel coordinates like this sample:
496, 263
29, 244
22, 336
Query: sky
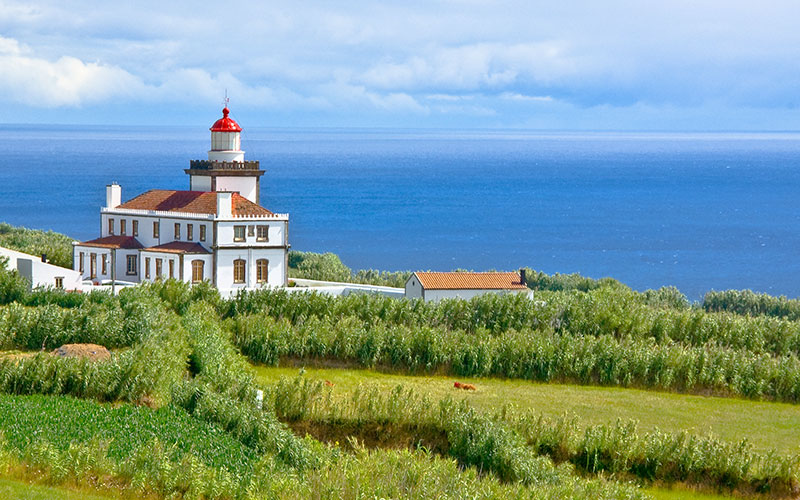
576, 65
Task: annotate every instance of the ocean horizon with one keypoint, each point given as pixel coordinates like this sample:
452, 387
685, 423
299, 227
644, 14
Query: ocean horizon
695, 210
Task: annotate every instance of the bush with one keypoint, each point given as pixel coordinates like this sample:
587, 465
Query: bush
13, 287
544, 356
144, 373
57, 247
752, 304
315, 266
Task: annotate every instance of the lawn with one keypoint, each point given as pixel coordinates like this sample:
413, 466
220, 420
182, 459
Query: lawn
12, 489
766, 425
684, 494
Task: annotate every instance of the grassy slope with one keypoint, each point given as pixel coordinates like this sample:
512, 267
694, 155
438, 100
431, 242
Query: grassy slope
766, 425
682, 494
12, 489
57, 246
61, 420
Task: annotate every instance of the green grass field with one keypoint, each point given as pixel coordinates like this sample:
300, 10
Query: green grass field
766, 425
12, 489
682, 494
62, 420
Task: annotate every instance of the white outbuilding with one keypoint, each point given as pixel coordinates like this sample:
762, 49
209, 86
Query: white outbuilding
434, 286
41, 273
217, 231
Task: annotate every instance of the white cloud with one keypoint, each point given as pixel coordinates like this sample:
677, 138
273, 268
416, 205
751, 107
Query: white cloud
343, 95
450, 97
513, 96
410, 58
65, 82
11, 47
476, 66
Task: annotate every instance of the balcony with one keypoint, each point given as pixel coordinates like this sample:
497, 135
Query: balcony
223, 165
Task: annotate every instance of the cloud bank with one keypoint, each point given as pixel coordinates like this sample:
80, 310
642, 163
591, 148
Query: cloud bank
615, 64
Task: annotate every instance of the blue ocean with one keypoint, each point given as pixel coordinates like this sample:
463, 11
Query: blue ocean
697, 211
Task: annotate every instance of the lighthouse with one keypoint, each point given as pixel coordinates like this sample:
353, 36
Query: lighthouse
226, 169
217, 231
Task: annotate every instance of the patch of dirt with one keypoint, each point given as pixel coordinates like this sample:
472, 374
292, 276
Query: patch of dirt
92, 352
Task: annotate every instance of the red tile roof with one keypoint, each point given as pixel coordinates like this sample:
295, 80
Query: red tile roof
128, 242
195, 202
178, 247
470, 281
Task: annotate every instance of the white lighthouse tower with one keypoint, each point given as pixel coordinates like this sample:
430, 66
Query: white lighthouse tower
226, 168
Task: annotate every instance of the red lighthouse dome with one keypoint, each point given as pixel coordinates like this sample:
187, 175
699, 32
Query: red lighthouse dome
225, 124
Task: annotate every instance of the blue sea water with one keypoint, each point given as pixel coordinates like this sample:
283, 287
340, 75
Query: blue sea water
697, 211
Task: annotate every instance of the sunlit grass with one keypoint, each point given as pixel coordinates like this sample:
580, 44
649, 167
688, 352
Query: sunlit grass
767, 425
12, 489
684, 494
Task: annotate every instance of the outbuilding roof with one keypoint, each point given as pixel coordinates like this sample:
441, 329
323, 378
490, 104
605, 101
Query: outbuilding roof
470, 281
118, 241
178, 247
195, 202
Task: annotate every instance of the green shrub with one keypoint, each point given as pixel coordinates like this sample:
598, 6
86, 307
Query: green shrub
145, 372
750, 303
222, 392
315, 266
508, 443
13, 287
544, 356
57, 247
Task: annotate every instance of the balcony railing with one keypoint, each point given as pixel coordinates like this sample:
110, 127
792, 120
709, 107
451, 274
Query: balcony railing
223, 165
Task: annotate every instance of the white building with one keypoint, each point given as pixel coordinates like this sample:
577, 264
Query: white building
216, 231
40, 273
431, 286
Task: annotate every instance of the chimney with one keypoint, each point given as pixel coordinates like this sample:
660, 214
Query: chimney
522, 278
224, 204
113, 195
44, 257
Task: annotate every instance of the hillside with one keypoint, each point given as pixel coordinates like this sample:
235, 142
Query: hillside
591, 391
57, 247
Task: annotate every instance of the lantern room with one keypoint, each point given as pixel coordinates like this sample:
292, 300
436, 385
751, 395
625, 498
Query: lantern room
225, 140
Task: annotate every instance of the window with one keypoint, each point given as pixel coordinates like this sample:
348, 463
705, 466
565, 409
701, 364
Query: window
197, 271
147, 268
59, 282
263, 233
238, 269
238, 233
171, 268
80, 262
110, 226
159, 268
177, 231
156, 229
262, 270
104, 268
122, 226
130, 268
251, 230
93, 265
190, 232
202, 232
135, 225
